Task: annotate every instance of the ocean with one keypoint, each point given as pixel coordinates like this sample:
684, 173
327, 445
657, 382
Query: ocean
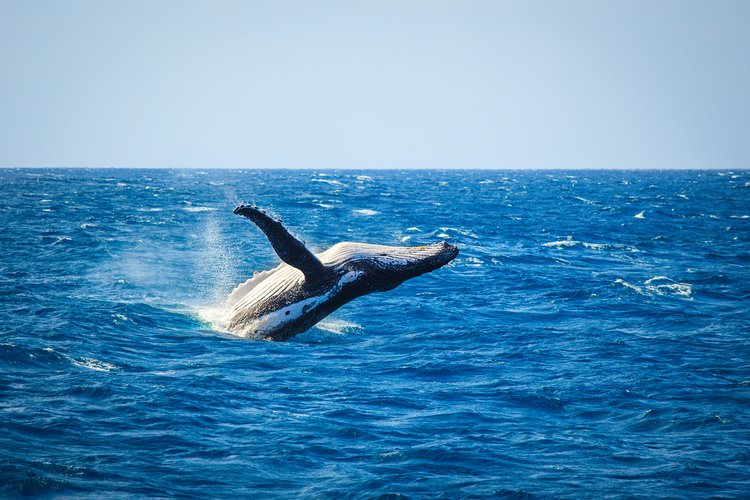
591, 339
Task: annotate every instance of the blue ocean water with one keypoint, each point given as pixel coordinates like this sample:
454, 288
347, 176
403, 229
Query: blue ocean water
590, 340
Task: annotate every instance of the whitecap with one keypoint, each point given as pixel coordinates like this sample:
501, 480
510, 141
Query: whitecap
570, 242
595, 246
93, 364
660, 286
684, 197
487, 181
61, 239
584, 200
153, 209
620, 281
739, 216
363, 178
365, 211
214, 316
200, 209
414, 229
332, 182
462, 232
88, 363
405, 239
666, 286
338, 326
639, 215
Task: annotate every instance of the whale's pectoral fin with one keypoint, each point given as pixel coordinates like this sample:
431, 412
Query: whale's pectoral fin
287, 247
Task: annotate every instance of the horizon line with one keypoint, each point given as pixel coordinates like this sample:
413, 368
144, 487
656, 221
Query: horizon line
487, 169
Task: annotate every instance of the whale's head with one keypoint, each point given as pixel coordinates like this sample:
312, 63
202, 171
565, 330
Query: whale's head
384, 267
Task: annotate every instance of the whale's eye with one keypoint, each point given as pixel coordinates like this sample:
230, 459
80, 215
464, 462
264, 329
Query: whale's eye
287, 313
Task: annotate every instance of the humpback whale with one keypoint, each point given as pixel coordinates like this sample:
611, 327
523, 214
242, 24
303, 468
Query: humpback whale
305, 288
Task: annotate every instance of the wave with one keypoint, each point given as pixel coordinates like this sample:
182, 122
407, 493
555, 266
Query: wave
454, 232
85, 362
659, 285
200, 209
584, 200
213, 316
338, 326
332, 182
570, 242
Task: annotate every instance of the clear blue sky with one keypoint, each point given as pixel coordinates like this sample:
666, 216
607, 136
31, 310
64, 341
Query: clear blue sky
370, 84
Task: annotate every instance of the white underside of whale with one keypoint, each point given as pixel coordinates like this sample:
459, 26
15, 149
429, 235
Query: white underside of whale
259, 327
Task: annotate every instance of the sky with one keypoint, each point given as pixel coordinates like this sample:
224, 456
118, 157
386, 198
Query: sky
375, 84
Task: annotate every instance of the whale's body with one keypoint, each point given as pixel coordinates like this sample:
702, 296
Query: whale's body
307, 287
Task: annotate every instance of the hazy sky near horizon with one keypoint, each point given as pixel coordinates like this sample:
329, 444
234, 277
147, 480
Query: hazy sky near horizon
375, 84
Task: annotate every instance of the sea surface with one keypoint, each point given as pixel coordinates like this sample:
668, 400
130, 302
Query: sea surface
591, 340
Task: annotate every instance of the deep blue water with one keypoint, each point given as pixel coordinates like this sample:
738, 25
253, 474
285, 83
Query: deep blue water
590, 341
